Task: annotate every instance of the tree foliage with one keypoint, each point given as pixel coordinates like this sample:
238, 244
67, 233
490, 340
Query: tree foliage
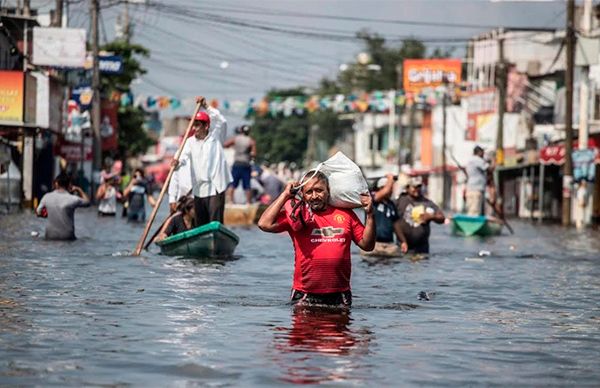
133, 139
285, 138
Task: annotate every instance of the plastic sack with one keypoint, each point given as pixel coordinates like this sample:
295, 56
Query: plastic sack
346, 181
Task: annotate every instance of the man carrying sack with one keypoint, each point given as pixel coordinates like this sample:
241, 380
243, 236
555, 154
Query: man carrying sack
322, 234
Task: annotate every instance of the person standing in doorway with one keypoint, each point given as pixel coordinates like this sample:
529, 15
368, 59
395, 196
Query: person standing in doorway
245, 153
477, 172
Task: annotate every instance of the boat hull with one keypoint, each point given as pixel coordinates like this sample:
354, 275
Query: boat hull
212, 240
465, 225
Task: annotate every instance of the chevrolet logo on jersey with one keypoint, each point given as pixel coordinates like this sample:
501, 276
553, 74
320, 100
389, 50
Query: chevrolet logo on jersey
328, 231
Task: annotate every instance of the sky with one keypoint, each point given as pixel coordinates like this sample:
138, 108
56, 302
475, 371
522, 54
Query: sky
238, 49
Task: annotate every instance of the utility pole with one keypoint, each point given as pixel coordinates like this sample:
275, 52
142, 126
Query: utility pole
126, 21
26, 8
392, 120
568, 167
444, 170
412, 123
97, 143
311, 152
58, 12
584, 83
501, 81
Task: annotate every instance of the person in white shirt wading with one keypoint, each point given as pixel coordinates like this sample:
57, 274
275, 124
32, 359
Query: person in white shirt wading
209, 171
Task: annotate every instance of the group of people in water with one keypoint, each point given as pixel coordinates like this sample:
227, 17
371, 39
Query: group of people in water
321, 233
197, 191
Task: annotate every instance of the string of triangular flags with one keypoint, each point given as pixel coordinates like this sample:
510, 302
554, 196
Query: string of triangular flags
377, 101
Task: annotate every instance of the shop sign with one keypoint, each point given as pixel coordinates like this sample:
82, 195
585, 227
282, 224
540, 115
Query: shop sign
107, 64
72, 152
59, 47
12, 96
429, 73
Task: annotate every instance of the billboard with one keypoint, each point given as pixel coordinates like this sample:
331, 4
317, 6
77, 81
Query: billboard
12, 96
58, 47
418, 74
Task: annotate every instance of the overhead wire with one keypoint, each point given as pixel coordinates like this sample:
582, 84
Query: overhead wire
291, 14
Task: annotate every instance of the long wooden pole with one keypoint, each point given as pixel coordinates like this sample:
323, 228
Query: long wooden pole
163, 190
568, 167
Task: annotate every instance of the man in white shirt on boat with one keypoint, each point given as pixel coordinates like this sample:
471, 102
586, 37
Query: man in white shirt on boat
210, 175
476, 171
181, 180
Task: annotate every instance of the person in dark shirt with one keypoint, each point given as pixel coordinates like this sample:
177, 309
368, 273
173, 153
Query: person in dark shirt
387, 221
136, 192
416, 212
181, 221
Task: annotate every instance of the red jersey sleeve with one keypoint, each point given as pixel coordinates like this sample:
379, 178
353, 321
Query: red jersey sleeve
282, 221
358, 229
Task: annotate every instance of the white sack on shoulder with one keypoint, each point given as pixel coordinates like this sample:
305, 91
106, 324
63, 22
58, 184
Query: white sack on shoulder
346, 181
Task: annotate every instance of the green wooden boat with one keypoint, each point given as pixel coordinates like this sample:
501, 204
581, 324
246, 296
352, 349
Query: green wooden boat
212, 240
465, 225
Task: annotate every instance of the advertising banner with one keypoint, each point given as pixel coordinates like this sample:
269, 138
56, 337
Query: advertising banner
59, 47
584, 167
12, 96
108, 125
72, 151
481, 106
429, 73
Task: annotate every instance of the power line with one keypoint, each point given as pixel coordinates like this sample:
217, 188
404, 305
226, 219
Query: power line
265, 11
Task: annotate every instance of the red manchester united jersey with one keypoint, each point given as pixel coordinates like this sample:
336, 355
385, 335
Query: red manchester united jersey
322, 249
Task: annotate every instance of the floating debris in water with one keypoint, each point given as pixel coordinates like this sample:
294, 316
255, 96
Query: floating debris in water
474, 259
483, 253
121, 253
423, 296
34, 233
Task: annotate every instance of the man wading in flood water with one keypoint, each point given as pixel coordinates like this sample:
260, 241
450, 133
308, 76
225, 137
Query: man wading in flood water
59, 207
321, 234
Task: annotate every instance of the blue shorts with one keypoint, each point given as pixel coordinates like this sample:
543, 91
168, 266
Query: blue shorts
241, 172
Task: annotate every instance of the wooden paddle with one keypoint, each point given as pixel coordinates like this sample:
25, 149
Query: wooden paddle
140, 244
489, 202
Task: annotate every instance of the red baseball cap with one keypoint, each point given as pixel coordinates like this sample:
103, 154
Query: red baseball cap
202, 116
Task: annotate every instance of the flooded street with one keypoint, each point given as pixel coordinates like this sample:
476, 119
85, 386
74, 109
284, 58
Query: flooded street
85, 313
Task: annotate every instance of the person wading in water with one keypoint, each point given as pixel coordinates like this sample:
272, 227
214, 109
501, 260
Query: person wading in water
59, 207
245, 152
416, 213
321, 235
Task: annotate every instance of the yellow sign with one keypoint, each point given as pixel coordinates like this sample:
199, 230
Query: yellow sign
11, 96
